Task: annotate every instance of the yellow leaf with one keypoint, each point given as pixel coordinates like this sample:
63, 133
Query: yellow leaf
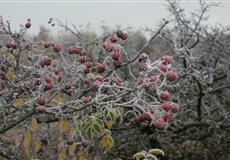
63, 126
71, 149
37, 146
106, 142
58, 99
109, 124
34, 125
10, 73
26, 142
18, 102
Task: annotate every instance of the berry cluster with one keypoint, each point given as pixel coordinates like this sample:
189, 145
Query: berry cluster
164, 112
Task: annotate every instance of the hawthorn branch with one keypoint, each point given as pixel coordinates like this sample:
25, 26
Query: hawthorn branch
15, 123
142, 49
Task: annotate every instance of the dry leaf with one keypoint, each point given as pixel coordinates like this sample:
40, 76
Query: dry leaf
63, 126
10, 73
37, 146
24, 60
58, 99
26, 142
34, 125
18, 102
11, 60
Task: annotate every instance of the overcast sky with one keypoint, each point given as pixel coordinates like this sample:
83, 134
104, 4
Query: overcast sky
136, 14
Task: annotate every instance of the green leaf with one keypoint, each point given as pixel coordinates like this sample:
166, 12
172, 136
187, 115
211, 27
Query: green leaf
89, 133
120, 110
100, 122
97, 128
105, 113
112, 115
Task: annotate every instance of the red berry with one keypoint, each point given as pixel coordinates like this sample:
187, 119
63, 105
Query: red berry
41, 101
69, 91
42, 63
41, 108
165, 95
85, 82
28, 25
8, 44
117, 63
116, 54
166, 106
113, 38
119, 82
70, 50
74, 50
47, 44
57, 71
11, 44
171, 76
82, 53
88, 64
60, 78
57, 48
124, 36
143, 117
166, 59
86, 99
95, 85
160, 123
47, 61
146, 85
48, 86
168, 117
108, 46
175, 107
82, 59
100, 68
68, 85
14, 44
38, 81
153, 78
163, 68
48, 79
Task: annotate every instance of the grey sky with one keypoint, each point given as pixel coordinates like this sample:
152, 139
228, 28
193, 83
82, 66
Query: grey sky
135, 14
